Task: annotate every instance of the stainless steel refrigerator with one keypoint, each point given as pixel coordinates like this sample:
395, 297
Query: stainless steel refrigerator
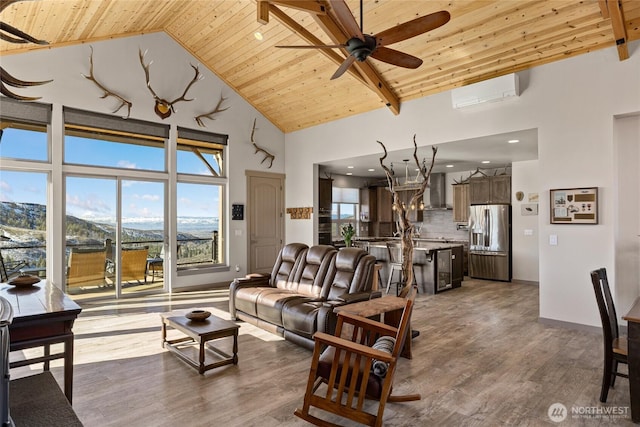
490, 242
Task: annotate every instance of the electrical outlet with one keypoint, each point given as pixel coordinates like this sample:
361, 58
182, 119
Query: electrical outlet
237, 268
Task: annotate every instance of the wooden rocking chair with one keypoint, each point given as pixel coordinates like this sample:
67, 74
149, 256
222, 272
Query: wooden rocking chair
355, 346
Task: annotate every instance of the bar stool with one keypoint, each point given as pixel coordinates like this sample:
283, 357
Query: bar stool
395, 264
365, 245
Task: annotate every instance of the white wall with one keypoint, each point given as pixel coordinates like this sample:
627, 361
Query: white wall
117, 66
626, 138
572, 104
525, 246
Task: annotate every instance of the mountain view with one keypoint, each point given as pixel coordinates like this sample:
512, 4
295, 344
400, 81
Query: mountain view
22, 230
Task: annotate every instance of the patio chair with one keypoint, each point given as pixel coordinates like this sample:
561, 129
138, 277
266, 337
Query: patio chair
9, 269
134, 265
358, 363
86, 267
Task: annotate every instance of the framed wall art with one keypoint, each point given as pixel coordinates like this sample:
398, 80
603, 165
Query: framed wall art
574, 205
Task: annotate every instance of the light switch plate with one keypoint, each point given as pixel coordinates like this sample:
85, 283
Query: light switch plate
553, 239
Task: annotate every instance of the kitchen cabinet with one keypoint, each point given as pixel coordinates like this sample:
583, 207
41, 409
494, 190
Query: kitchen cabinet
368, 204
324, 210
437, 266
385, 201
461, 203
457, 265
490, 190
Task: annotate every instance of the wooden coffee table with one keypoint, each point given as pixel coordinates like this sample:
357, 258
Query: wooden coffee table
200, 332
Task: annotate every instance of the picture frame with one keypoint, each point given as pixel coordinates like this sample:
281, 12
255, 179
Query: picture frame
574, 205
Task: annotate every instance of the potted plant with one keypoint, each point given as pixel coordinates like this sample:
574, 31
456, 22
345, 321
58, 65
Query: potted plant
347, 233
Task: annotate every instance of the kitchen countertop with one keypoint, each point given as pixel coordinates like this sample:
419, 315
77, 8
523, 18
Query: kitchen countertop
429, 246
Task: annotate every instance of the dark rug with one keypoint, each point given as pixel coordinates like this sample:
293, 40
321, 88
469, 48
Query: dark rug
37, 401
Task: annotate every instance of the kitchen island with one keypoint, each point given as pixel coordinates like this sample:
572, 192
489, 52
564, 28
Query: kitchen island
438, 266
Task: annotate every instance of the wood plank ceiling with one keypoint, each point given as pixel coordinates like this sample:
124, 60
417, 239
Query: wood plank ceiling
292, 88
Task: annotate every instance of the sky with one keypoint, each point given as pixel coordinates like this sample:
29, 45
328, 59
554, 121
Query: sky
95, 198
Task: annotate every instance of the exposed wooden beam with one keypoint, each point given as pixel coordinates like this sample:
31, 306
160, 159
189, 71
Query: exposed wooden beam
304, 5
263, 12
619, 31
604, 10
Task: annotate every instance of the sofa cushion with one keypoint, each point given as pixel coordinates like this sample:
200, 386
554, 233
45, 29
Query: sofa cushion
270, 302
312, 271
348, 273
287, 263
301, 316
245, 299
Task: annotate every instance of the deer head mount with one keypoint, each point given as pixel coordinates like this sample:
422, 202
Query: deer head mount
11, 34
164, 108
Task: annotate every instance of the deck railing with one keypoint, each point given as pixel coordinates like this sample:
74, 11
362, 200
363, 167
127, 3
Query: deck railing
31, 258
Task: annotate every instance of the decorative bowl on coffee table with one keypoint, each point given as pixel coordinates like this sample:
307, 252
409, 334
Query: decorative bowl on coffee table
197, 315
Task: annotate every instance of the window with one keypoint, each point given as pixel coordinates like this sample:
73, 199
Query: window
344, 209
200, 198
24, 176
199, 219
108, 141
25, 141
23, 209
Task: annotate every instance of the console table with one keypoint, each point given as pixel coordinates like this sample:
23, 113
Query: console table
42, 315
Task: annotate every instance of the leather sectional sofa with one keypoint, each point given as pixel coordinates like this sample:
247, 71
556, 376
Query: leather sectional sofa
305, 286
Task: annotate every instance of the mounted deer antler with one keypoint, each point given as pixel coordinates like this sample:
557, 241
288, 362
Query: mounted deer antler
20, 37
107, 92
164, 108
7, 78
268, 155
405, 226
212, 113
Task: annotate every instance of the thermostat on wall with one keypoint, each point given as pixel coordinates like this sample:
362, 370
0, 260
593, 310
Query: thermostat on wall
237, 212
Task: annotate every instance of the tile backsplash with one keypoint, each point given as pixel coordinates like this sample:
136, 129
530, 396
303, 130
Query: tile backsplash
436, 224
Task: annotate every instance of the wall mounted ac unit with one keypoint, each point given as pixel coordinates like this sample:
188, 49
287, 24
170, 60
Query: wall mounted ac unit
492, 90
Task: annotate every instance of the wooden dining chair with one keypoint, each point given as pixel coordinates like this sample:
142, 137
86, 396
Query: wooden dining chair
615, 346
358, 362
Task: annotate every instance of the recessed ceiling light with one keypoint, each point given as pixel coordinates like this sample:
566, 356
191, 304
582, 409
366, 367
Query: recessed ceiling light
513, 141
349, 167
258, 35
371, 170
349, 173
486, 161
449, 166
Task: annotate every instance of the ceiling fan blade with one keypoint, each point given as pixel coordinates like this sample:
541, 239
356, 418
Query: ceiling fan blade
343, 67
321, 46
395, 57
344, 15
413, 28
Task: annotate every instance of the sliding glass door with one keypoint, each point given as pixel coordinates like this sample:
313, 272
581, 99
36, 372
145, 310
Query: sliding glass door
115, 232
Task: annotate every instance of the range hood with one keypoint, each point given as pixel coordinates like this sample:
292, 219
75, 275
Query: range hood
437, 195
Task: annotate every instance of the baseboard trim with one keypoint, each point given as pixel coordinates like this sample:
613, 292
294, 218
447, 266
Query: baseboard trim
570, 325
526, 282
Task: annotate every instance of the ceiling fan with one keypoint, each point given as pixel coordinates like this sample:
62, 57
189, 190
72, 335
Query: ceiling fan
360, 46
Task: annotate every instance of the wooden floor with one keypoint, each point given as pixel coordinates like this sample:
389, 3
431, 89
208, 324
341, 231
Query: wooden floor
482, 359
